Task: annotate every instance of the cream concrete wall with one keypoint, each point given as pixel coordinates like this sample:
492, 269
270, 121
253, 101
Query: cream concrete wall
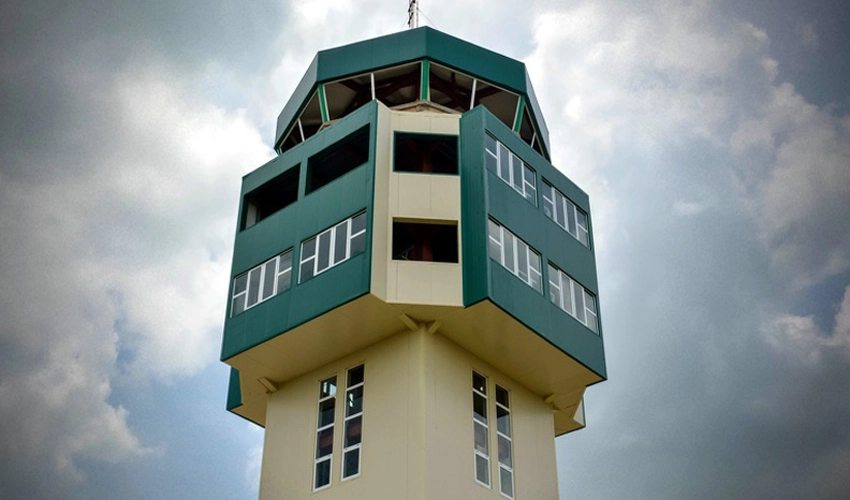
381, 225
417, 428
291, 420
417, 421
413, 197
535, 470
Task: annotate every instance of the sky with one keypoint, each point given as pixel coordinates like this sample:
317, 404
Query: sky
712, 136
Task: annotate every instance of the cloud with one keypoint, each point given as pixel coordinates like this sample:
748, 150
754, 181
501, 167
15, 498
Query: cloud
802, 198
116, 249
808, 35
685, 208
802, 340
718, 193
681, 72
664, 109
253, 468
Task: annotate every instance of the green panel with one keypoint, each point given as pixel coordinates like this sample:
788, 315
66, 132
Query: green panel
483, 194
407, 46
473, 207
311, 214
323, 104
234, 391
296, 104
537, 116
520, 107
425, 82
388, 50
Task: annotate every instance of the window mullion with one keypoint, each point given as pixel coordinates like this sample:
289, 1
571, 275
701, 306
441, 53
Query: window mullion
516, 255
501, 245
332, 248
348, 231
273, 277
528, 262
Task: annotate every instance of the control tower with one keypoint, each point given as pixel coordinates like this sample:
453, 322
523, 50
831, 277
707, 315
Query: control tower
413, 309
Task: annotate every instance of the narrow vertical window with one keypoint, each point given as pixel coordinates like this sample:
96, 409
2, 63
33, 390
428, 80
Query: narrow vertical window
590, 311
325, 434
481, 448
353, 423
503, 434
284, 272
240, 292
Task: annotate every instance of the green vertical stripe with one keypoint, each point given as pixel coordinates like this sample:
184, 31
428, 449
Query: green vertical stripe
520, 108
323, 106
425, 90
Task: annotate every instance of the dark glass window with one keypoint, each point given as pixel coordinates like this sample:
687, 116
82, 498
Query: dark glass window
338, 159
425, 242
425, 153
272, 196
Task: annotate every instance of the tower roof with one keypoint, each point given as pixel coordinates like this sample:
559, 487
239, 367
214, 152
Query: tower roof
454, 74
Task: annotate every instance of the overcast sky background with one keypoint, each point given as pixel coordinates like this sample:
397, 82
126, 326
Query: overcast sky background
713, 138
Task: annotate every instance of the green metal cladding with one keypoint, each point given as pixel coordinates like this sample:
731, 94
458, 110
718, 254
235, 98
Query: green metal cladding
234, 390
423, 43
287, 228
483, 195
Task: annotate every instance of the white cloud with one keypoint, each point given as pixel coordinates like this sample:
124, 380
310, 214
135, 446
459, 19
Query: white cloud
685, 208
664, 109
253, 468
316, 13
646, 81
173, 299
126, 259
800, 338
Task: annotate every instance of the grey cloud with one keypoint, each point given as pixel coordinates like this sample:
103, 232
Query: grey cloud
115, 183
104, 200
699, 403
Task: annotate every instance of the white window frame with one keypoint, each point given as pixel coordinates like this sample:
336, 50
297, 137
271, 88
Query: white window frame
506, 171
579, 298
485, 424
319, 429
515, 255
504, 467
279, 268
559, 208
332, 233
347, 418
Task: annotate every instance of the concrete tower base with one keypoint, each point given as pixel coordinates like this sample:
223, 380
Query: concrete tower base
417, 428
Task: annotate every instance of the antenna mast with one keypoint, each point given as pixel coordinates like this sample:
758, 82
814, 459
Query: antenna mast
413, 14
